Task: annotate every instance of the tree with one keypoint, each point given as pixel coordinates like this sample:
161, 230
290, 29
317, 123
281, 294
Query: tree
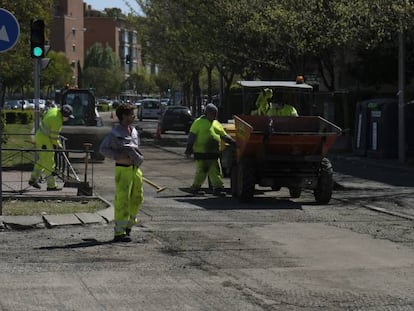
58, 72
273, 39
102, 71
16, 66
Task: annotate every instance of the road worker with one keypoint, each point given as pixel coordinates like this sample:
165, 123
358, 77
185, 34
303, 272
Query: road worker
47, 137
204, 140
263, 102
278, 108
122, 146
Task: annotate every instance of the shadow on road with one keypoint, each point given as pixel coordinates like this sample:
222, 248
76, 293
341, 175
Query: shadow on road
229, 203
85, 243
385, 171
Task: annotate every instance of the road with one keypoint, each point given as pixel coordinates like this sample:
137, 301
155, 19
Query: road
209, 253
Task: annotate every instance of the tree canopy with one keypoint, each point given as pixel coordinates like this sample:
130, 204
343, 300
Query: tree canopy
102, 71
268, 39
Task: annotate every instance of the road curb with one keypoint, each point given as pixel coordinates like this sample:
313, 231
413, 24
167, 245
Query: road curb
103, 216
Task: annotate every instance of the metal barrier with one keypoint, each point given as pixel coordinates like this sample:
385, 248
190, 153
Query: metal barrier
64, 169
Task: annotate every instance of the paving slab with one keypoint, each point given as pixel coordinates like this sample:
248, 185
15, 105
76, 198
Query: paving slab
61, 220
90, 218
23, 222
107, 214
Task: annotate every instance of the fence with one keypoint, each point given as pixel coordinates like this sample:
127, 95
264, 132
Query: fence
18, 162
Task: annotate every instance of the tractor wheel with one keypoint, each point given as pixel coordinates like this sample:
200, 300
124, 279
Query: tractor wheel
324, 188
245, 180
295, 192
233, 181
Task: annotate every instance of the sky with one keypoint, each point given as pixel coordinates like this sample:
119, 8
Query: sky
102, 4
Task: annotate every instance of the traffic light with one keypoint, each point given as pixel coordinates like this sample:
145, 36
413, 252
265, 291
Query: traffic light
128, 59
37, 38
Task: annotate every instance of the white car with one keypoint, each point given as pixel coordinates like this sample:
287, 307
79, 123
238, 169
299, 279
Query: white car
16, 104
150, 108
31, 104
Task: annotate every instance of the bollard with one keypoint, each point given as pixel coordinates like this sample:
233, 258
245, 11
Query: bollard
84, 188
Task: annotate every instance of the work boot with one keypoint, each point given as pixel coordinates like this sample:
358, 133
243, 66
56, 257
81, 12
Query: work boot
198, 191
53, 188
34, 184
219, 192
121, 238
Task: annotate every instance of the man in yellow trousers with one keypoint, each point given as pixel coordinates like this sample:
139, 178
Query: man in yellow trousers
48, 138
122, 146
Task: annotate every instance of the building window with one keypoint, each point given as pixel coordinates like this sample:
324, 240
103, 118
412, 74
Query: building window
73, 47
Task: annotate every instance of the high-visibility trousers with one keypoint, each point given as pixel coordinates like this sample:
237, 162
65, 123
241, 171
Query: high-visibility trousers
45, 163
210, 168
129, 196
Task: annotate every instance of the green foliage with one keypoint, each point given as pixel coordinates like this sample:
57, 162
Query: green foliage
58, 73
274, 39
102, 107
102, 71
105, 81
18, 116
16, 66
101, 57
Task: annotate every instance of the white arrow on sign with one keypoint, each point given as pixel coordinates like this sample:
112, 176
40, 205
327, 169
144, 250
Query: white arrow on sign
3, 34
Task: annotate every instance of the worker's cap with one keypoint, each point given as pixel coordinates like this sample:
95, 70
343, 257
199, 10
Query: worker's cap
67, 111
211, 108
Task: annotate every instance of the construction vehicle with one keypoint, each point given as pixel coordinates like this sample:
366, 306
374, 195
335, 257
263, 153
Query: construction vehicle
280, 152
87, 126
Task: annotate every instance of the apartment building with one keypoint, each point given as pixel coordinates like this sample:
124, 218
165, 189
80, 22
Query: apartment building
75, 27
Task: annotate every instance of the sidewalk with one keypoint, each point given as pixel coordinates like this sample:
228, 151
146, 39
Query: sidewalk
15, 187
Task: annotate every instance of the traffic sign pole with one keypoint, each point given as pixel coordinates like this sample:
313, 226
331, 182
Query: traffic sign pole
36, 71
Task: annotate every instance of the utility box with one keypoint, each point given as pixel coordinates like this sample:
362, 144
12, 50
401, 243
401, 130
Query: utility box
360, 144
376, 129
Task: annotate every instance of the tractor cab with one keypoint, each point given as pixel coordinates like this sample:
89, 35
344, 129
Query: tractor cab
295, 93
83, 103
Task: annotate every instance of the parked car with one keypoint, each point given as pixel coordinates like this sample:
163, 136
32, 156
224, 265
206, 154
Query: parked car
31, 104
150, 108
16, 104
176, 118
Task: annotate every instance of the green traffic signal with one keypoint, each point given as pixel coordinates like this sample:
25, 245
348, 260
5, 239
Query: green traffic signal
37, 51
128, 59
37, 38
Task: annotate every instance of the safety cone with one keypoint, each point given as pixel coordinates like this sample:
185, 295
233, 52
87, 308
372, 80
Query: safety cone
158, 133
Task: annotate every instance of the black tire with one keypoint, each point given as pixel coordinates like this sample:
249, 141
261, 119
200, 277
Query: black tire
233, 181
323, 191
245, 180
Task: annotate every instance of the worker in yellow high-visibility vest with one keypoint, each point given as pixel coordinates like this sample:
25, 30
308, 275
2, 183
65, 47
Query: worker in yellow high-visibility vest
48, 138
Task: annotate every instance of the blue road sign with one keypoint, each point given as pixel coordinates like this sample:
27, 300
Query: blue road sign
9, 30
